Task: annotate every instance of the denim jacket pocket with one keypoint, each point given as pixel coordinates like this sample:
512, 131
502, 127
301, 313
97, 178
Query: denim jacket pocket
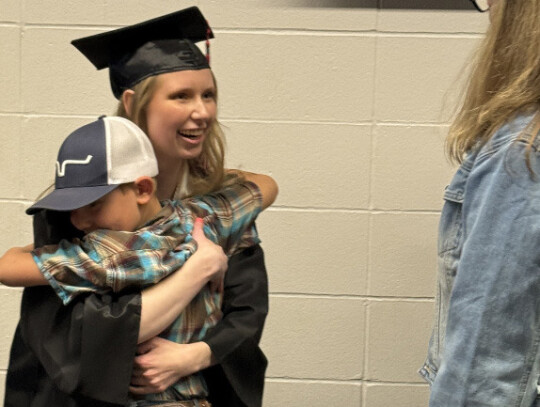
451, 221
450, 224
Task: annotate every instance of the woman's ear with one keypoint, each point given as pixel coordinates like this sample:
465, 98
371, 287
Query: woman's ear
127, 100
146, 189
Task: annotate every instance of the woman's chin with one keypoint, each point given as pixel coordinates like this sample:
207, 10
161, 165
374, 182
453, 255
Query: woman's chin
190, 153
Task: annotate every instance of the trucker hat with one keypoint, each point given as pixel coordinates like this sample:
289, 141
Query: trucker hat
95, 159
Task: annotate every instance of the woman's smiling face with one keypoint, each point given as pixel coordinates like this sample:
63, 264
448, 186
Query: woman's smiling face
181, 112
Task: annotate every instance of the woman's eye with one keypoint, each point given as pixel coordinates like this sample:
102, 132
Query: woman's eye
181, 96
209, 95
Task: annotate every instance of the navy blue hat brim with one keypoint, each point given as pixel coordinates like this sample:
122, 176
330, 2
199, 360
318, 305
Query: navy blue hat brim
68, 199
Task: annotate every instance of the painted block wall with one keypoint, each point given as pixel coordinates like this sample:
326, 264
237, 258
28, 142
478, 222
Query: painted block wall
346, 104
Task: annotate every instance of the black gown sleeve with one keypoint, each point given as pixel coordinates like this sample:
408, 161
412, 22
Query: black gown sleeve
75, 355
238, 378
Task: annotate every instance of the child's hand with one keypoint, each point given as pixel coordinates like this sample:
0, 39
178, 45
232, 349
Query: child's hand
211, 256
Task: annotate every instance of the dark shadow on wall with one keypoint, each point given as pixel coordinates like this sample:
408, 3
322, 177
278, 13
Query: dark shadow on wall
387, 4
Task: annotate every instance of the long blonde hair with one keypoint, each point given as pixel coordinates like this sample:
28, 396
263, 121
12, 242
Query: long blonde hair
505, 79
206, 172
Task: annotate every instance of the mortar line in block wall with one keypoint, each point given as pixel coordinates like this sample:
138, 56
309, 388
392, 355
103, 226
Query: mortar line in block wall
367, 298
278, 379
374, 211
362, 123
276, 31
346, 33
30, 115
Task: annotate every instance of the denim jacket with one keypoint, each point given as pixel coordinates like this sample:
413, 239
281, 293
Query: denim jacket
484, 349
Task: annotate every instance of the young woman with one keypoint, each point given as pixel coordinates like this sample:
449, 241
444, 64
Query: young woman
178, 112
165, 85
484, 349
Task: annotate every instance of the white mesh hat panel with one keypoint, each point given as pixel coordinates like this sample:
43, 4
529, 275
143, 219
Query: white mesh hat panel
129, 152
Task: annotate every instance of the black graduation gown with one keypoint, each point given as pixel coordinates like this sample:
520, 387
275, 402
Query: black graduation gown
82, 354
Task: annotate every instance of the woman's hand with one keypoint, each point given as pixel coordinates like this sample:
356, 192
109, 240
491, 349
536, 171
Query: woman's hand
161, 363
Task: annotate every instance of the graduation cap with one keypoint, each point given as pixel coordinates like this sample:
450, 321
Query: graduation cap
163, 44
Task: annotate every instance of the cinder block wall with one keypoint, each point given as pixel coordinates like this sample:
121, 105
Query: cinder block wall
342, 102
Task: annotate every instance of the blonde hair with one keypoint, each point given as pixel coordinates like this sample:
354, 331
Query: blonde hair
505, 79
206, 172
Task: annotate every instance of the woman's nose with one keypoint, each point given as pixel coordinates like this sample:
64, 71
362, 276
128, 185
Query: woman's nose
200, 110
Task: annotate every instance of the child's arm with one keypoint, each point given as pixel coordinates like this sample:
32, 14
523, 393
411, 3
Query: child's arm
267, 185
18, 268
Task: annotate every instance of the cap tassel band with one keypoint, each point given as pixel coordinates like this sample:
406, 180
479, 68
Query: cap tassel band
208, 34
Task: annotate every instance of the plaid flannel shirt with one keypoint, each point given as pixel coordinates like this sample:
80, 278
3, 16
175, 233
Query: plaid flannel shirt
114, 260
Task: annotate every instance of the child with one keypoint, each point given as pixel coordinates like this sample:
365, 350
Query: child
104, 178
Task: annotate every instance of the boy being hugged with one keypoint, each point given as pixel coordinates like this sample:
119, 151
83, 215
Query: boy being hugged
104, 179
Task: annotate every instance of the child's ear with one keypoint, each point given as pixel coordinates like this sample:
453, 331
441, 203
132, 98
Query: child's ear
146, 188
127, 100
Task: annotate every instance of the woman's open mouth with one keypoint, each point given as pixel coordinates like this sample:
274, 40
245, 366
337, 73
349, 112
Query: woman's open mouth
192, 136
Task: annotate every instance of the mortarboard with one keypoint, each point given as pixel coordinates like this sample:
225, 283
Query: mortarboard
160, 45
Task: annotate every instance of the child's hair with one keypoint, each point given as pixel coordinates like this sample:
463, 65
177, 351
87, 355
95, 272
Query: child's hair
129, 185
206, 172
505, 79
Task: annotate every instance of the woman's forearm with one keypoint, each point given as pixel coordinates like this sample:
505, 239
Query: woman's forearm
162, 303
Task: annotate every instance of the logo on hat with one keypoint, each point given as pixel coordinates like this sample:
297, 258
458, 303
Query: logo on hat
61, 168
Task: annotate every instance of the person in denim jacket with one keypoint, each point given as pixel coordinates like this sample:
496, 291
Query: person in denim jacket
485, 345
